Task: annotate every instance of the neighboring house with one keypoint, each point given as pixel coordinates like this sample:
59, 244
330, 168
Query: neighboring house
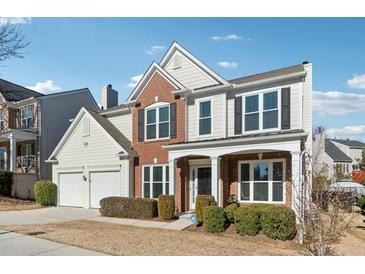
31, 124
185, 130
337, 152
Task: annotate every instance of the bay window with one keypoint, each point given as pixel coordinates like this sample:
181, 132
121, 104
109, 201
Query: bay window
155, 180
158, 123
262, 181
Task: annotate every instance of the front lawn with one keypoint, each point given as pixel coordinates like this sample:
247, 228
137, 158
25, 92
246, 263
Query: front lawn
8, 204
127, 240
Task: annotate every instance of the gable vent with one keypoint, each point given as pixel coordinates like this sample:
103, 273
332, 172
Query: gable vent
86, 127
177, 61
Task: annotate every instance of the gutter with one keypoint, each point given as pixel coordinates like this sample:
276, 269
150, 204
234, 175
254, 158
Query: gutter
233, 141
51, 161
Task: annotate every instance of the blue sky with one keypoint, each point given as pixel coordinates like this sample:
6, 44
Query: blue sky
70, 53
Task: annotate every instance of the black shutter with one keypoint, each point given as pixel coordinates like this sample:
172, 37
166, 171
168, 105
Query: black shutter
285, 108
33, 149
19, 150
173, 120
238, 115
140, 125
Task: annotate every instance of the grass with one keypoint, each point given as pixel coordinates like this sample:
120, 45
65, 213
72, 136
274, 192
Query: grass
118, 239
9, 204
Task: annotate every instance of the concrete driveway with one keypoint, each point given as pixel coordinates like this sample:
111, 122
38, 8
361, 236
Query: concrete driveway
14, 244
46, 215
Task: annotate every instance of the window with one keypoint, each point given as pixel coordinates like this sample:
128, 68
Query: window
2, 121
262, 181
2, 158
27, 156
155, 180
205, 118
158, 123
270, 112
261, 111
252, 113
26, 116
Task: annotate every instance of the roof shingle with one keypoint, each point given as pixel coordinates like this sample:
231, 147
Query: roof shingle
336, 154
13, 92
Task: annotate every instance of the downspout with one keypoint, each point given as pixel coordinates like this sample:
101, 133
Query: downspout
39, 137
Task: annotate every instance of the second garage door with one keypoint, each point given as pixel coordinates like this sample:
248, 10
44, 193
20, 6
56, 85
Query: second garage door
104, 184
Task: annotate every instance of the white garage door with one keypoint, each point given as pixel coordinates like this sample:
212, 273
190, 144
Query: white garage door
70, 189
104, 184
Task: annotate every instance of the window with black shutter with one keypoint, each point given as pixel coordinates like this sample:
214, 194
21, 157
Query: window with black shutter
173, 120
238, 115
285, 108
140, 125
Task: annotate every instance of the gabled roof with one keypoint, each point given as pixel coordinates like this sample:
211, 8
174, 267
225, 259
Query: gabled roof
350, 143
154, 67
336, 154
177, 47
269, 74
107, 127
13, 92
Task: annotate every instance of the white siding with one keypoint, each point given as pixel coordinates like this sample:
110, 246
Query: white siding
307, 105
218, 116
123, 123
294, 109
355, 153
189, 74
99, 149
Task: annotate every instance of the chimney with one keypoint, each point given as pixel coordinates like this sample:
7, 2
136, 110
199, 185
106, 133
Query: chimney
109, 97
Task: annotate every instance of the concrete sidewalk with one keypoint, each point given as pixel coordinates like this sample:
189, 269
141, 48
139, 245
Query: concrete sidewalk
183, 222
14, 244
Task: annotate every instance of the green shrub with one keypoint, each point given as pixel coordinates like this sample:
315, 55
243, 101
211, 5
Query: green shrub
201, 202
230, 210
361, 202
122, 207
214, 219
45, 192
247, 220
278, 223
6, 181
166, 207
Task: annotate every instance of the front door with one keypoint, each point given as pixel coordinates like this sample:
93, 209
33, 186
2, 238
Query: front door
201, 183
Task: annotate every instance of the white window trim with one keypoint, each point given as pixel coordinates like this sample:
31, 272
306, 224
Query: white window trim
151, 179
2, 120
270, 181
156, 106
28, 154
198, 102
260, 111
24, 118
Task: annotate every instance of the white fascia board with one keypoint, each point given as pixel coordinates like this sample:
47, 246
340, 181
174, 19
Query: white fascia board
146, 78
175, 46
271, 80
235, 141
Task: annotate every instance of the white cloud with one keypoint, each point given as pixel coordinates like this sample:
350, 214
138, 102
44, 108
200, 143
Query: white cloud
336, 103
232, 36
351, 132
14, 20
228, 65
134, 81
358, 81
45, 87
155, 49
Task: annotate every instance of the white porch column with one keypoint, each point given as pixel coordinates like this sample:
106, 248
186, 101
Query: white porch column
296, 183
12, 166
215, 167
172, 167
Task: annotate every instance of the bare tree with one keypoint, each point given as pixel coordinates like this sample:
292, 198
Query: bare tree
12, 42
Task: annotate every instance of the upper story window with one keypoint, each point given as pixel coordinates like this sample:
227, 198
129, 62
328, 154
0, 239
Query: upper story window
261, 111
2, 126
205, 118
26, 117
158, 122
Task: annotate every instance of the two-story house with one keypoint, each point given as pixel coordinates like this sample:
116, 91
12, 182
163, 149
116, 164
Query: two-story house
31, 124
185, 130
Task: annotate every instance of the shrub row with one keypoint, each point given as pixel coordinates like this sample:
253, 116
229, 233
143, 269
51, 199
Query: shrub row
122, 207
6, 181
166, 207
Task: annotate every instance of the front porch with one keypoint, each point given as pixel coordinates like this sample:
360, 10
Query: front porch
18, 151
257, 171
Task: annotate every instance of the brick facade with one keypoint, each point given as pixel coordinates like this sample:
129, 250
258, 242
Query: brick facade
151, 152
